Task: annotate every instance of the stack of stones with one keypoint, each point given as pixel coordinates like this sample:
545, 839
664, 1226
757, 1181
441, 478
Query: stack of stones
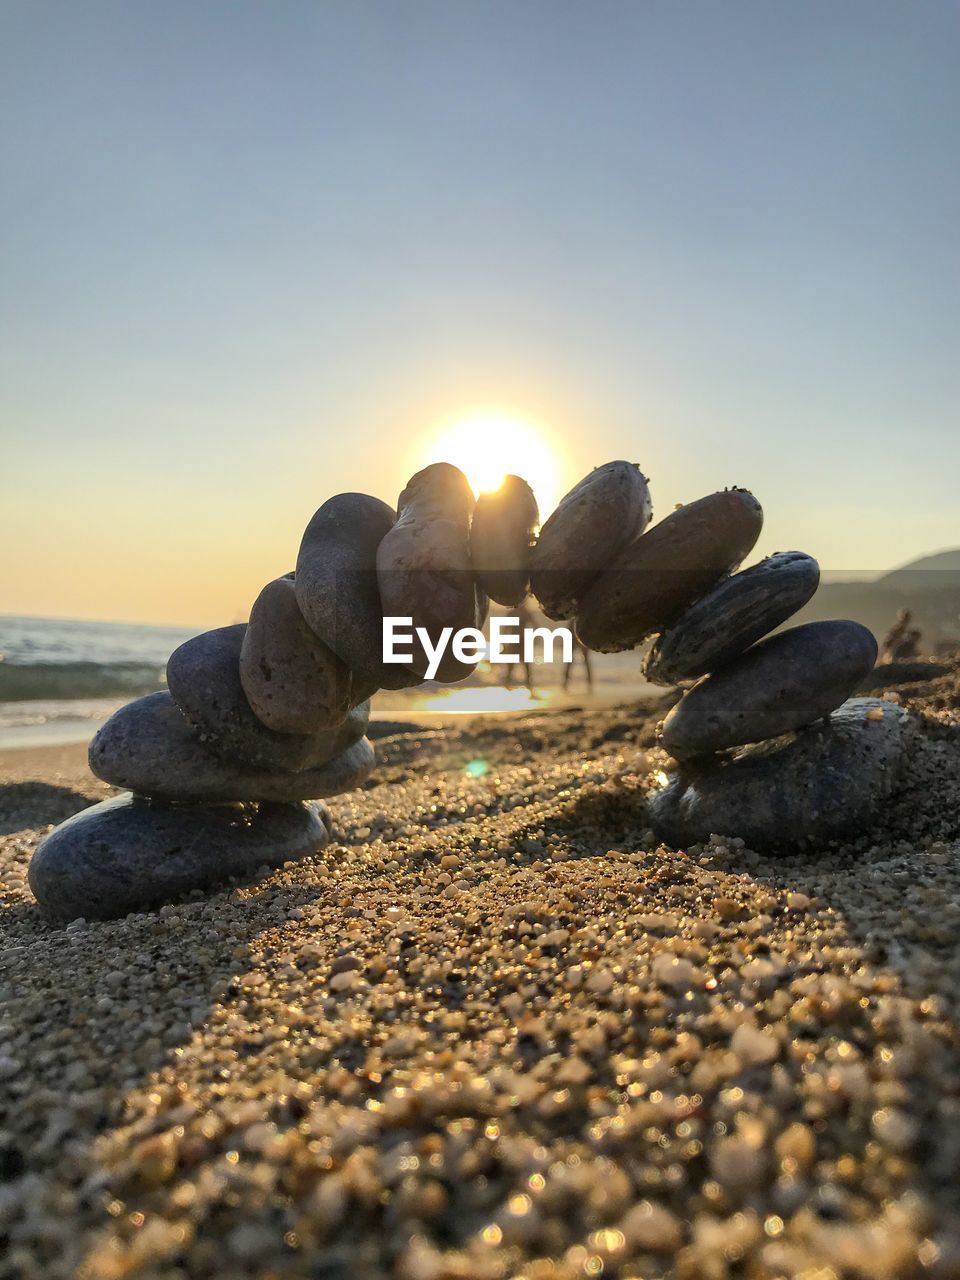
225, 772
769, 743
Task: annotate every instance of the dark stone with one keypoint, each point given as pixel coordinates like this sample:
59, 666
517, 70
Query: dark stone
735, 614
787, 680
656, 576
293, 681
819, 784
502, 537
337, 587
131, 854
148, 747
12, 1162
439, 491
204, 679
591, 523
424, 567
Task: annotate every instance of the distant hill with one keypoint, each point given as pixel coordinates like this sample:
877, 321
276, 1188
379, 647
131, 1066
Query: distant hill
928, 587
942, 569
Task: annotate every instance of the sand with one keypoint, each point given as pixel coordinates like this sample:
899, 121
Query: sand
495, 1031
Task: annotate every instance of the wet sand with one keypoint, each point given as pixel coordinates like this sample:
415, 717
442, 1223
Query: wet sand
494, 1030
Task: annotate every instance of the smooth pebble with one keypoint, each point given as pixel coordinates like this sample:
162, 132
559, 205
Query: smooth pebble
336, 586
733, 615
203, 676
148, 747
598, 517
786, 681
822, 783
657, 575
294, 682
131, 854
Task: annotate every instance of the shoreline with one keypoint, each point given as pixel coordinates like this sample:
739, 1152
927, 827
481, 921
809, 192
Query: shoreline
45, 722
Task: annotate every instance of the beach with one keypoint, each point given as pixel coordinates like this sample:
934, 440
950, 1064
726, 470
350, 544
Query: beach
480, 642
495, 1030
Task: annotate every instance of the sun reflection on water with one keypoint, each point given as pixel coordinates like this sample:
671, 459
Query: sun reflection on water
485, 698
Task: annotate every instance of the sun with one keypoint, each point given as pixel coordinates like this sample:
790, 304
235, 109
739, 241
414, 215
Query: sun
489, 444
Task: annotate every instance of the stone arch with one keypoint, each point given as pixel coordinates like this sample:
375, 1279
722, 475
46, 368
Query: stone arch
227, 769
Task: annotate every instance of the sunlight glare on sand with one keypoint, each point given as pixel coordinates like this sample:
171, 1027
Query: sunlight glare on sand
488, 444
486, 699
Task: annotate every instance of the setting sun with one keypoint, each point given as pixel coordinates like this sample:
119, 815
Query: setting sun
489, 444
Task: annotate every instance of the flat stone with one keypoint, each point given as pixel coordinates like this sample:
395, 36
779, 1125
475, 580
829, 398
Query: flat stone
203, 676
733, 615
590, 525
656, 576
785, 681
502, 537
293, 681
337, 589
131, 854
819, 784
149, 747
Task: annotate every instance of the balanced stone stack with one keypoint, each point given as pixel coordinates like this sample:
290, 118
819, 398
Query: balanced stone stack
225, 771
769, 743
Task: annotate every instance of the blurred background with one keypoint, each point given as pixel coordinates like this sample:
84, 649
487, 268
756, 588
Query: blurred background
254, 255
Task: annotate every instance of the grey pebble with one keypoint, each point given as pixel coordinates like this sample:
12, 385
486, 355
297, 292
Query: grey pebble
148, 747
785, 681
203, 676
131, 854
821, 783
293, 681
663, 571
590, 525
337, 588
731, 617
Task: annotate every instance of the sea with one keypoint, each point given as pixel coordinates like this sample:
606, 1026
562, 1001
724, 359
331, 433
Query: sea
60, 678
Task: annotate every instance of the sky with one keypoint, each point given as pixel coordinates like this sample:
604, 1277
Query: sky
252, 255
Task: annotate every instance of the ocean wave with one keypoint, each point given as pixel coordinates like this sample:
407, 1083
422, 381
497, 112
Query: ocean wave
25, 682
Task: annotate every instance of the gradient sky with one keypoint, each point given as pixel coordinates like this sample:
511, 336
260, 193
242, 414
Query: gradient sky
253, 253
